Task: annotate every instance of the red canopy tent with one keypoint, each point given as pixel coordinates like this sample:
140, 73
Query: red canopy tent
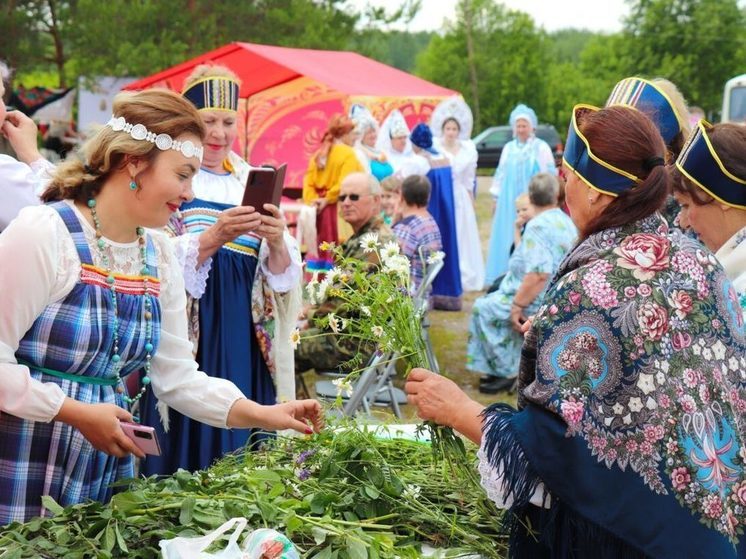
288, 96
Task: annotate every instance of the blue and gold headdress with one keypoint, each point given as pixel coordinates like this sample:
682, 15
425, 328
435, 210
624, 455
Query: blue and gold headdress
594, 172
213, 94
644, 96
700, 163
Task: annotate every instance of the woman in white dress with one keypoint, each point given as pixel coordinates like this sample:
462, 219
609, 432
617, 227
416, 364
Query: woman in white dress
453, 120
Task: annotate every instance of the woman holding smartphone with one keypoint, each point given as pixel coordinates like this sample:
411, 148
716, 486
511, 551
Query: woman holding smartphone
90, 295
242, 272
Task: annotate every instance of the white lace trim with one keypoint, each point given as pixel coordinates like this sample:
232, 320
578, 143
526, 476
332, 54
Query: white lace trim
492, 482
124, 257
186, 248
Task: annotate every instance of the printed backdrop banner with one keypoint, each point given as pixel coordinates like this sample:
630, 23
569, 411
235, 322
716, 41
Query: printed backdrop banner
289, 95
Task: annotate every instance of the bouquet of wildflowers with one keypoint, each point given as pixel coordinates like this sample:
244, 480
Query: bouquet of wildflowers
378, 312
376, 307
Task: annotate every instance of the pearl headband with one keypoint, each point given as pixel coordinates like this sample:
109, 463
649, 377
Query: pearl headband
162, 141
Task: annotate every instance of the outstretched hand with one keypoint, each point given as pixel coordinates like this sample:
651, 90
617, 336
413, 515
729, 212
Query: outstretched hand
304, 416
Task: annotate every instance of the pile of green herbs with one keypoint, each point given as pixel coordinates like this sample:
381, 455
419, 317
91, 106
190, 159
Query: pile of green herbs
344, 495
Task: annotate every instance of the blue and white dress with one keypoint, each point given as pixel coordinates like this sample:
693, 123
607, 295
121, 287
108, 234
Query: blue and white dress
223, 327
519, 161
494, 348
56, 342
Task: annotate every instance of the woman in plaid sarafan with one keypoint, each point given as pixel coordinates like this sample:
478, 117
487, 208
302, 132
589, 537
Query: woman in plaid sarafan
95, 296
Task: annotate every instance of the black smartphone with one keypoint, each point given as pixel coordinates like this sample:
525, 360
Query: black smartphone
264, 186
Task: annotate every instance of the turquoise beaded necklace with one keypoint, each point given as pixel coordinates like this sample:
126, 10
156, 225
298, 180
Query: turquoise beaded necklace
148, 314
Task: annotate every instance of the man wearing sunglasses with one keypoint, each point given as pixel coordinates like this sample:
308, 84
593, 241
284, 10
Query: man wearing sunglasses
359, 205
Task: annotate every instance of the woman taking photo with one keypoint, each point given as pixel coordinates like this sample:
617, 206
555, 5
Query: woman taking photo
629, 439
95, 296
242, 273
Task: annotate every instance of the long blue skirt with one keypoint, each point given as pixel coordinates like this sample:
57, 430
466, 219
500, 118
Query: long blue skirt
447, 289
228, 348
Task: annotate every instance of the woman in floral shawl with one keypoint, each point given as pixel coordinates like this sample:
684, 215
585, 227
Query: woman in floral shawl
628, 441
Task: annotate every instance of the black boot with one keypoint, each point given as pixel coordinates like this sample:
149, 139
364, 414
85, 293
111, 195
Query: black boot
499, 384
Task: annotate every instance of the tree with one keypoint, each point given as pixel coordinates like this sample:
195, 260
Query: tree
510, 59
694, 43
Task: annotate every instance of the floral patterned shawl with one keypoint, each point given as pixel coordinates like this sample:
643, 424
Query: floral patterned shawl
639, 356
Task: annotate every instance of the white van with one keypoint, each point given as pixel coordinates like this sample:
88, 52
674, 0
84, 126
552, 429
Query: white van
734, 100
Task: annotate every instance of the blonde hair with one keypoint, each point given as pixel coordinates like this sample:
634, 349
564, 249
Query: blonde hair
682, 112
522, 198
161, 111
391, 184
204, 71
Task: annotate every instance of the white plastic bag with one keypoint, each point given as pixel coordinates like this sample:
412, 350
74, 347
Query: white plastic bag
259, 544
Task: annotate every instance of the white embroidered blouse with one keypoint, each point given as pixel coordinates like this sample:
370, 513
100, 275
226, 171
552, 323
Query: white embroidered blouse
46, 267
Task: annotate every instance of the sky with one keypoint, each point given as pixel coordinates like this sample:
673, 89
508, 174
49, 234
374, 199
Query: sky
594, 15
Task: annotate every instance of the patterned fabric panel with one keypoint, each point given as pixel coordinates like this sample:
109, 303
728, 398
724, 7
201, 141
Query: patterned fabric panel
200, 217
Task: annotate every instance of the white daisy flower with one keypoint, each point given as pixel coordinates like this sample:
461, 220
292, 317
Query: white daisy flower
333, 275
377, 331
295, 338
436, 256
369, 242
365, 310
343, 385
390, 249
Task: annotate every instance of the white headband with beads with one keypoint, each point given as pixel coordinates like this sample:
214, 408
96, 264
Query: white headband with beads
162, 141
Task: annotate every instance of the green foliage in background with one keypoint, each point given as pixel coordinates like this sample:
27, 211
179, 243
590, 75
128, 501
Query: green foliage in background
495, 56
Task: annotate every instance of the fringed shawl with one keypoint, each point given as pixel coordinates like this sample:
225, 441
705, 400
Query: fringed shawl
632, 397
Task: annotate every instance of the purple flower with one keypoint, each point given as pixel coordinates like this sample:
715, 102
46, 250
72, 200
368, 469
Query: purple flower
304, 474
305, 455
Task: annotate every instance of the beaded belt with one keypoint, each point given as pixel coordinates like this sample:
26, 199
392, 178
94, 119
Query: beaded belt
100, 381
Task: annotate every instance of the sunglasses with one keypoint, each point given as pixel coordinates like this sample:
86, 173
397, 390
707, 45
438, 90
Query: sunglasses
352, 197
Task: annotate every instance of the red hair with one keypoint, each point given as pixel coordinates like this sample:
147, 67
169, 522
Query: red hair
626, 138
339, 125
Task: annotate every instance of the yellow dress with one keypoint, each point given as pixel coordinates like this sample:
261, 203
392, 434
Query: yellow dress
325, 183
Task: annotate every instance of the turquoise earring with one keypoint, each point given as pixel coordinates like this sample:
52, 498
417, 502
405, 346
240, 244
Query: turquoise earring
133, 185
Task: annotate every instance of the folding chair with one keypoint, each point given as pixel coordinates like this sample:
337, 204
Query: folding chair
374, 387
422, 305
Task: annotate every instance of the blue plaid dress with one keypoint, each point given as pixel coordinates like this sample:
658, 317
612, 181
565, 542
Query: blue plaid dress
75, 336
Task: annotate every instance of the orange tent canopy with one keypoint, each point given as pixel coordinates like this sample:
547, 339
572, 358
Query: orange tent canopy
262, 67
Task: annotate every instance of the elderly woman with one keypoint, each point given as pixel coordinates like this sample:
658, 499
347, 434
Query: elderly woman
242, 272
710, 186
495, 337
629, 441
373, 160
521, 158
332, 162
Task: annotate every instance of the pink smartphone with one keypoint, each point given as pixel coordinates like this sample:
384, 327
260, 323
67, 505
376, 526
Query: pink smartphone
143, 436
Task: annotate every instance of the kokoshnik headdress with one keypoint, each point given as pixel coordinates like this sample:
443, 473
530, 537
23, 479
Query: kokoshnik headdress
454, 107
700, 163
592, 170
650, 100
213, 94
162, 141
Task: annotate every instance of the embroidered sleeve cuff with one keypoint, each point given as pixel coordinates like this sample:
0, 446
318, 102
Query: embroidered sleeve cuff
493, 483
187, 253
288, 279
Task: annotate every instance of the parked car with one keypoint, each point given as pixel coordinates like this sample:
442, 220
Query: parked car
490, 143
